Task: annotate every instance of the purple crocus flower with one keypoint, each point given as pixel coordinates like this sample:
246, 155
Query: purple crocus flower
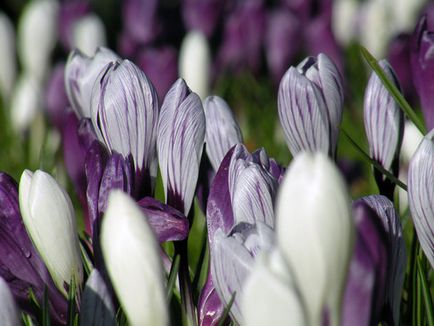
310, 101
421, 194
124, 113
422, 64
202, 15
181, 134
139, 20
56, 100
240, 218
366, 283
20, 264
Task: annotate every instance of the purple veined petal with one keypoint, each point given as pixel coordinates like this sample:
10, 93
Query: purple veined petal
421, 194
422, 65
139, 18
81, 73
219, 213
222, 130
254, 195
202, 15
181, 133
124, 112
210, 308
86, 133
20, 264
239, 161
168, 223
117, 175
303, 114
276, 170
383, 119
366, 283
324, 73
56, 100
385, 210
95, 163
232, 258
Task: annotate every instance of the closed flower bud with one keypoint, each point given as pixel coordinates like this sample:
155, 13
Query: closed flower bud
127, 240
194, 63
222, 130
50, 222
88, 33
310, 103
8, 64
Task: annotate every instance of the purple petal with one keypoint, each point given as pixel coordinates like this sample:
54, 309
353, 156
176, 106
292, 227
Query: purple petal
384, 121
210, 308
421, 194
139, 19
422, 64
202, 15
124, 112
56, 99
365, 291
168, 223
385, 210
181, 133
222, 130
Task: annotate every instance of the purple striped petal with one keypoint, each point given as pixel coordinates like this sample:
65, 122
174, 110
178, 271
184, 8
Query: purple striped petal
388, 216
124, 112
421, 194
81, 72
422, 65
303, 114
210, 308
20, 264
383, 119
366, 283
181, 133
167, 223
222, 130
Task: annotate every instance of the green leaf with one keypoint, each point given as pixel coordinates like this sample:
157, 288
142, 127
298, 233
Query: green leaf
374, 163
45, 309
87, 263
201, 260
426, 293
172, 277
393, 90
27, 320
71, 302
226, 311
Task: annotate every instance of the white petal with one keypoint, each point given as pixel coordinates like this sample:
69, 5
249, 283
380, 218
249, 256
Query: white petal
410, 141
8, 309
88, 33
132, 258
8, 64
315, 232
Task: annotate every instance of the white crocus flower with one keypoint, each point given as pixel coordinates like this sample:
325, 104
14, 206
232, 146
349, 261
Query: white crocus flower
50, 222
88, 33
194, 63
131, 254
8, 65
8, 309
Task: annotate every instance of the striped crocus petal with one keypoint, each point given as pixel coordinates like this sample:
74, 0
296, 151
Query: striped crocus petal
323, 72
254, 194
81, 72
303, 114
210, 308
222, 130
383, 119
388, 216
124, 110
421, 194
313, 220
96, 304
367, 275
232, 258
181, 134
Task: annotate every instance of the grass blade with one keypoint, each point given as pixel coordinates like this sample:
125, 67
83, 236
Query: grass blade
71, 302
426, 293
393, 90
172, 277
200, 262
226, 311
45, 307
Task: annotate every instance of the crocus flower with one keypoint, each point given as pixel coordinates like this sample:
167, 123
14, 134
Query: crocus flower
69, 13
50, 221
422, 64
88, 33
8, 310
316, 224
222, 130
37, 36
96, 303
124, 112
202, 15
194, 63
181, 133
81, 72
7, 57
127, 240
421, 195
20, 265
310, 103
